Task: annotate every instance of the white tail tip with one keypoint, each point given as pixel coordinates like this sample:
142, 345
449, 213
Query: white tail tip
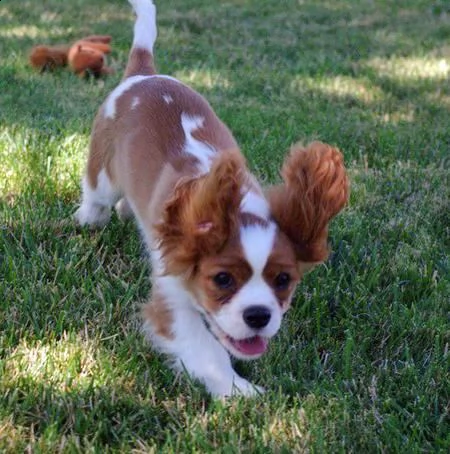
145, 30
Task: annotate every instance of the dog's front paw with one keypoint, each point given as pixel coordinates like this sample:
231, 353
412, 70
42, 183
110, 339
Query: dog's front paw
242, 387
123, 209
238, 387
94, 216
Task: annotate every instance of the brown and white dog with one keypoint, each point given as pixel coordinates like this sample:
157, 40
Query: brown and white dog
226, 256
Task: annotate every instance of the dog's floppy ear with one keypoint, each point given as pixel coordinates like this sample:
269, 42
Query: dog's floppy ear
202, 213
315, 189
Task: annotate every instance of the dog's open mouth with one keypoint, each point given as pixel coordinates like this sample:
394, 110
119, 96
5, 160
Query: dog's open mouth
251, 346
248, 348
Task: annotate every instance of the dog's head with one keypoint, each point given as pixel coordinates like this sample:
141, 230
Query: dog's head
242, 253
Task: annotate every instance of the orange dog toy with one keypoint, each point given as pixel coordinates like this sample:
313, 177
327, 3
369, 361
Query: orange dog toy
84, 57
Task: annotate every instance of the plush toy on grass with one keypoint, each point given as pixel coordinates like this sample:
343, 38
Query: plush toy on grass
84, 57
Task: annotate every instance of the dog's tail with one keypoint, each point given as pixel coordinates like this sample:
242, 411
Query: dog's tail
140, 60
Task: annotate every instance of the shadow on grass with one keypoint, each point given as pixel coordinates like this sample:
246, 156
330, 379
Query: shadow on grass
74, 389
99, 394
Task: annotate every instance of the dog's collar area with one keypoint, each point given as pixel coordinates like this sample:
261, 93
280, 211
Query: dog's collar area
207, 324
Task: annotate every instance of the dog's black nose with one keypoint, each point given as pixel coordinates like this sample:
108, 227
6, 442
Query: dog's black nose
257, 316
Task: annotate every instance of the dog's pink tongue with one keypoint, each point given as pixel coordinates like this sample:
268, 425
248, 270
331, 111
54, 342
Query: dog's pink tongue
255, 345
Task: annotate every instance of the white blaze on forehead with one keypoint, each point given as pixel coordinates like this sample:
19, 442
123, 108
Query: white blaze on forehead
111, 100
256, 204
200, 150
257, 242
168, 99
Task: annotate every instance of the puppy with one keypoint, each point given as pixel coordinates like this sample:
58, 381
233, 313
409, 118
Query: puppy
226, 256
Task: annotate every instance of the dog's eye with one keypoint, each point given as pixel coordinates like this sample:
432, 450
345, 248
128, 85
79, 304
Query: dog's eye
223, 280
282, 281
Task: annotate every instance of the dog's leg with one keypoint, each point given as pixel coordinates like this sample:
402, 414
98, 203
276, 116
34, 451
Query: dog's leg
182, 333
123, 209
99, 194
96, 202
205, 359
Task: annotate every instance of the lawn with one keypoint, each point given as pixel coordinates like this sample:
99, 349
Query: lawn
362, 362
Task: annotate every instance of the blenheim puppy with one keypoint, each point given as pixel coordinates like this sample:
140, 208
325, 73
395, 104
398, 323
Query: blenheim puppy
226, 256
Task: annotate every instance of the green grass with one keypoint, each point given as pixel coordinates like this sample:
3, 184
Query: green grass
362, 361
